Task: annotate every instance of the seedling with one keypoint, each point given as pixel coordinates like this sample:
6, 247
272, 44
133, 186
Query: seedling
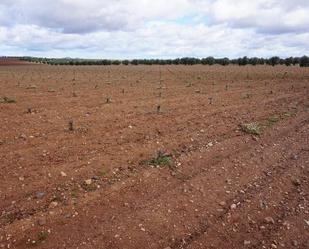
8, 100
71, 126
108, 100
210, 100
158, 109
29, 110
251, 128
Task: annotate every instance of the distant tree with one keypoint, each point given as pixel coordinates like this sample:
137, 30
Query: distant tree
134, 62
208, 61
288, 61
274, 60
243, 61
116, 62
295, 60
125, 62
304, 61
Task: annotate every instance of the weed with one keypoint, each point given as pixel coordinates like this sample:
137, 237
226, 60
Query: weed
103, 172
246, 96
251, 128
89, 187
272, 120
160, 160
42, 235
289, 114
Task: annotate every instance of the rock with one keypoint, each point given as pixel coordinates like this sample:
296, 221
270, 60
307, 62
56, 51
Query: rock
273, 246
168, 247
210, 144
247, 242
296, 182
294, 243
63, 174
95, 178
269, 220
39, 195
53, 204
88, 182
222, 203
233, 206
41, 221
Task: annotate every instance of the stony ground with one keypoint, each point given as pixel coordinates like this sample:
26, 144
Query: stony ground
154, 157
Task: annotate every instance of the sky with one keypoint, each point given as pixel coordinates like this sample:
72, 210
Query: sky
127, 29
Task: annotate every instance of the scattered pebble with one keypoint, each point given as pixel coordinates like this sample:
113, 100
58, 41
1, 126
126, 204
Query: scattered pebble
88, 182
269, 220
63, 174
247, 242
233, 206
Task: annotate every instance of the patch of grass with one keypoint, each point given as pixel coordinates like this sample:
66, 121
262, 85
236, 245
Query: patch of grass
251, 128
272, 120
89, 187
246, 96
103, 172
160, 160
7, 100
289, 114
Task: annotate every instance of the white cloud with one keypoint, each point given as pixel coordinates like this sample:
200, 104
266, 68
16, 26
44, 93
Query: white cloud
144, 28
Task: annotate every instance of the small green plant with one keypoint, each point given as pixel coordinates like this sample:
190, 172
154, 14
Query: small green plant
160, 160
251, 128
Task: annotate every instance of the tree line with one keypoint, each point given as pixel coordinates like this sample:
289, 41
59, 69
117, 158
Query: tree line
275, 60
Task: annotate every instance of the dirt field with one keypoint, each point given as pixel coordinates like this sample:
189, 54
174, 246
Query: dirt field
157, 157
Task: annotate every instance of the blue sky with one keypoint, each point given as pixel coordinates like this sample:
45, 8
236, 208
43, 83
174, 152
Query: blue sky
154, 29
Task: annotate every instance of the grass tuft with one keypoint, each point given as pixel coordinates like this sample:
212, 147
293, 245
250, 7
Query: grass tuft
251, 128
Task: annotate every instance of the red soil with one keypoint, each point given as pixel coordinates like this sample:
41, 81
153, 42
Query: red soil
92, 188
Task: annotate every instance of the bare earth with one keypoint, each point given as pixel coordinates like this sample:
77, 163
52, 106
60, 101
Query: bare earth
94, 188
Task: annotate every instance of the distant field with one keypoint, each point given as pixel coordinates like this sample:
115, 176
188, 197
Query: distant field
12, 62
154, 156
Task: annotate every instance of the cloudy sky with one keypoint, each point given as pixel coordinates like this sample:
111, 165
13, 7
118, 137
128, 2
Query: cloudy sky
154, 28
